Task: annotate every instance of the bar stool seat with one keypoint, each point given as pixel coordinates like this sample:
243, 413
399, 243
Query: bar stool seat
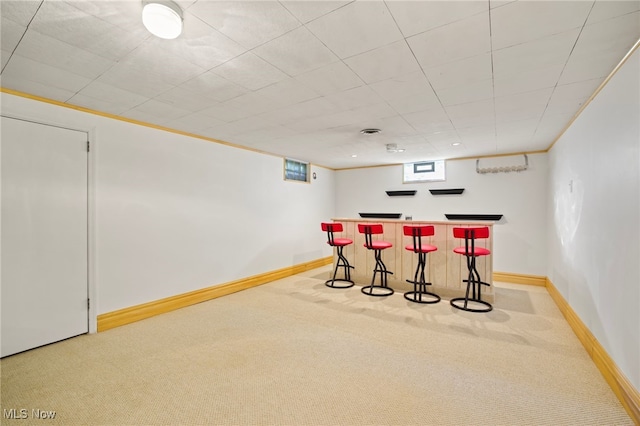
342, 262
420, 293
472, 301
382, 289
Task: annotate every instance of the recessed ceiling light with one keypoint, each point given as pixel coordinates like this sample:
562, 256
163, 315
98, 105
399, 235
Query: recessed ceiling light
354, 155
162, 18
370, 131
455, 144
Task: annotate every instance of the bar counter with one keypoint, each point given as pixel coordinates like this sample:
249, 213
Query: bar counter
445, 269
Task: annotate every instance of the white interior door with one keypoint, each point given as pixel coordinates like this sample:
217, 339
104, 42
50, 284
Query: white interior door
44, 291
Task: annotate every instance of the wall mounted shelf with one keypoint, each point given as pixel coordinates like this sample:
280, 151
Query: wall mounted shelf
450, 191
494, 217
406, 193
381, 215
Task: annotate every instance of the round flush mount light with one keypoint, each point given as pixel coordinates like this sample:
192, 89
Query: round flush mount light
162, 18
370, 131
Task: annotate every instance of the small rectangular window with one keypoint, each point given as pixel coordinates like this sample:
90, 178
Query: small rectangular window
424, 171
296, 170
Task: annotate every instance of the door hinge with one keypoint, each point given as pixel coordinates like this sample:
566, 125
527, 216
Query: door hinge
88, 303
87, 146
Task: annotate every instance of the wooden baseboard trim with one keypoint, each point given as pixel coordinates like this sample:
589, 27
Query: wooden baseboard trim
509, 277
622, 388
131, 314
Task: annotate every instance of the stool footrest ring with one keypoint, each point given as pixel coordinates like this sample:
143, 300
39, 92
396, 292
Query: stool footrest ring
419, 297
382, 290
332, 283
463, 304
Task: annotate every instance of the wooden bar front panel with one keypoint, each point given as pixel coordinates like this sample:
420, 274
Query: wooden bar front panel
445, 269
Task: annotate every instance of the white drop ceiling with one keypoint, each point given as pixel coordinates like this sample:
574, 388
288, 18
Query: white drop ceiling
300, 79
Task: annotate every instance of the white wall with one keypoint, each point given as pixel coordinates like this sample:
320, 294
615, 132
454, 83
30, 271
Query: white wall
172, 214
594, 214
519, 238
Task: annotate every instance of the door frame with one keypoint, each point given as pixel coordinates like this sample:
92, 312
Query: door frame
92, 294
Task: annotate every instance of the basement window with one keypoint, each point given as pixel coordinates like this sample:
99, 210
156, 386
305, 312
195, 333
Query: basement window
297, 171
424, 171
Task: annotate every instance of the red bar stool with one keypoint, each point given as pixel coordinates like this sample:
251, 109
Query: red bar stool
377, 246
420, 293
474, 283
339, 244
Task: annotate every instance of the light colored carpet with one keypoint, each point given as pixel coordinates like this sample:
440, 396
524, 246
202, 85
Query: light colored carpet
295, 352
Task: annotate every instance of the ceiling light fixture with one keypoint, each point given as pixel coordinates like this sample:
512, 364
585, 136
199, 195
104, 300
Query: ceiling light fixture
162, 18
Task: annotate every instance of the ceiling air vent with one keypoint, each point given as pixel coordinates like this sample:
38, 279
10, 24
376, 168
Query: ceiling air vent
370, 131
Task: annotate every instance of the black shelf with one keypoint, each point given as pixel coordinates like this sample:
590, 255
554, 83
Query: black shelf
407, 193
451, 191
494, 217
381, 215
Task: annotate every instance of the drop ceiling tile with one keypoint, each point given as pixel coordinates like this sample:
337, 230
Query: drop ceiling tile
404, 86
161, 110
536, 54
565, 106
476, 91
384, 62
10, 34
603, 10
482, 134
460, 73
287, 92
43, 90
330, 79
597, 66
252, 104
199, 44
471, 114
518, 131
249, 71
532, 103
99, 105
193, 123
121, 14
577, 90
64, 22
301, 111
119, 99
354, 98
186, 98
527, 81
147, 84
223, 113
306, 11
249, 23
430, 122
47, 50
215, 87
414, 17
520, 21
355, 28
4, 57
414, 103
25, 69
20, 12
458, 40
499, 3
601, 46
296, 52
153, 58
568, 98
